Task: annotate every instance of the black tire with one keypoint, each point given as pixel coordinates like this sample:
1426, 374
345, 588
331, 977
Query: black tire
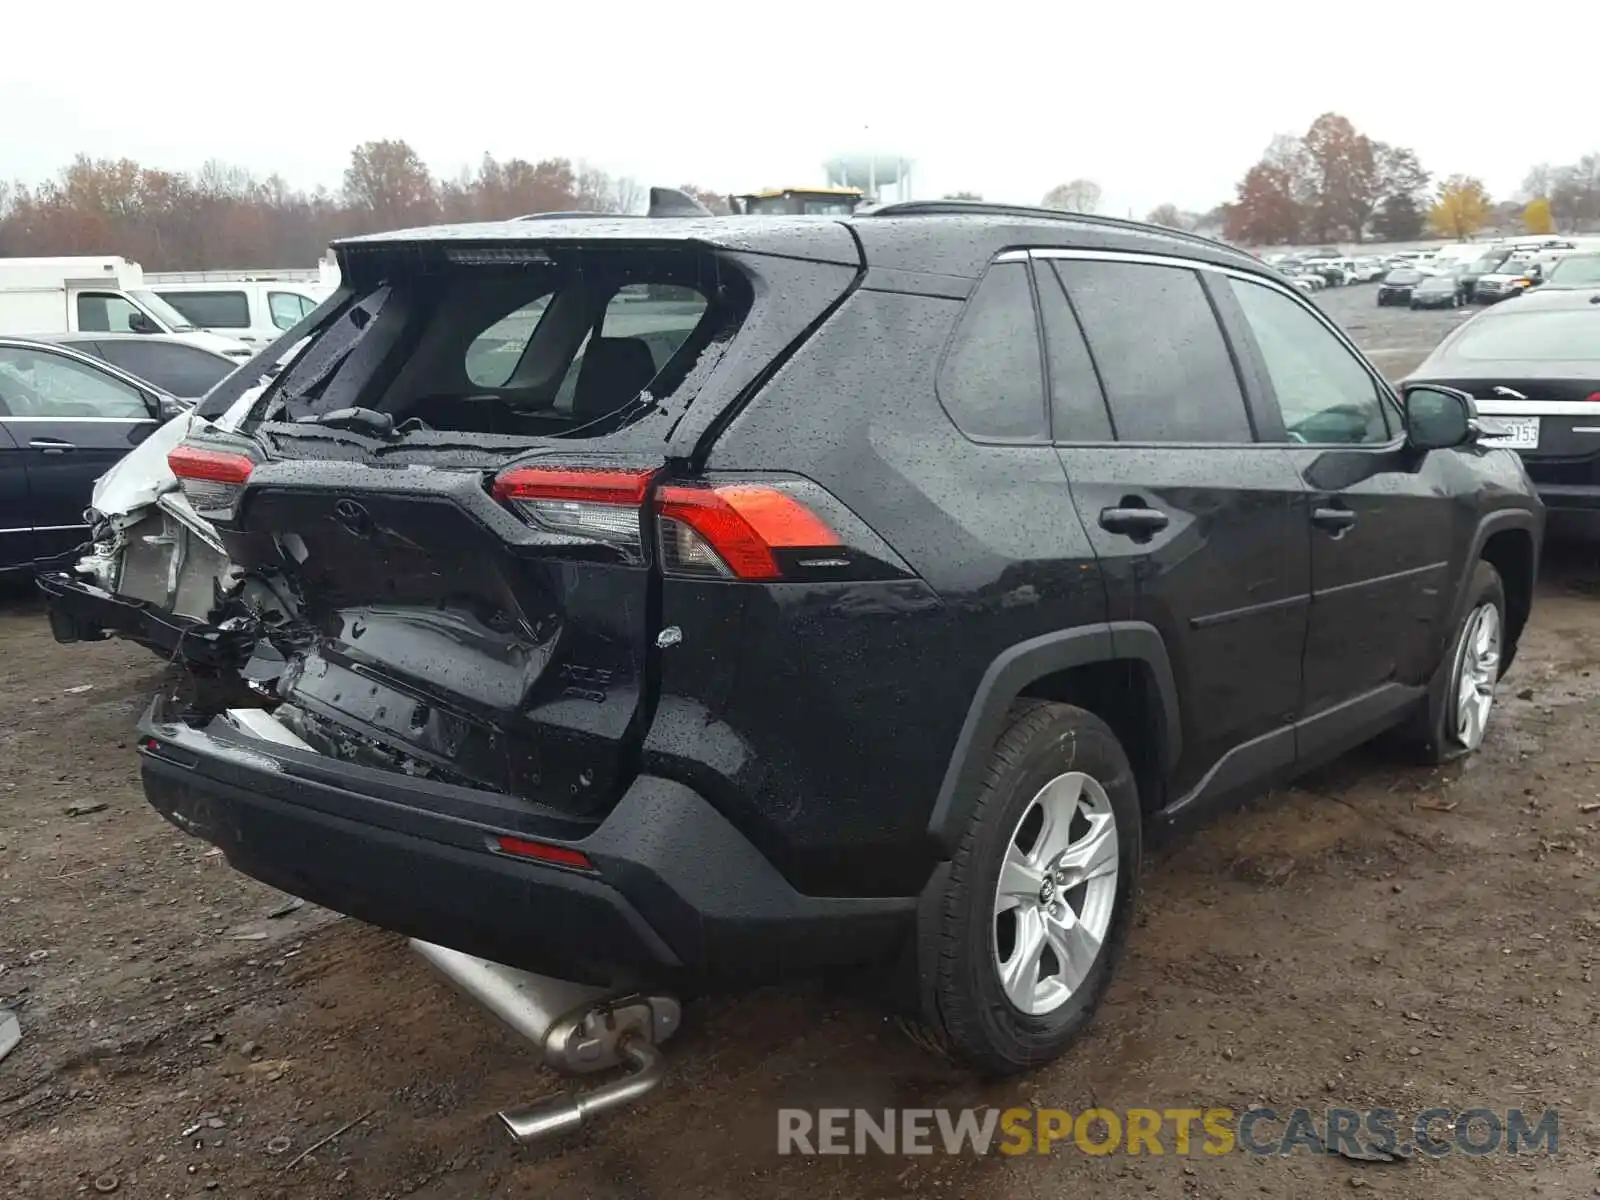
1431, 737
961, 995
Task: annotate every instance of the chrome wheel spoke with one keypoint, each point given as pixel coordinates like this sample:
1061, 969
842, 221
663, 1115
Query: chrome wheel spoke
1074, 945
1058, 800
1094, 855
1020, 881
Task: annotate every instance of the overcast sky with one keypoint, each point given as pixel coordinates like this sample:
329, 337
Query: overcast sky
1155, 101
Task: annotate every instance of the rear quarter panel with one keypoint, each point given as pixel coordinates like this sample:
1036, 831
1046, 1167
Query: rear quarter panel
822, 718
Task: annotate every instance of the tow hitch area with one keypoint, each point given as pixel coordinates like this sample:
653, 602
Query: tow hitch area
578, 1029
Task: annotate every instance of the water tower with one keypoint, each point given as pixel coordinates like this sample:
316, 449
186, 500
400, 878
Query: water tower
872, 173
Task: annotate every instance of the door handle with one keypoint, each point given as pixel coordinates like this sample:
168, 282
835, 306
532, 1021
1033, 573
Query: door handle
51, 445
1136, 522
1334, 520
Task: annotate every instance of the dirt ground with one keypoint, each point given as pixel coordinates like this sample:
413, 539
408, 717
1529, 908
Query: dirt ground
1377, 936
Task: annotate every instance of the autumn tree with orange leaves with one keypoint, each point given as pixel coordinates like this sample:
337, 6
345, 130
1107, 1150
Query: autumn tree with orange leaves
1332, 183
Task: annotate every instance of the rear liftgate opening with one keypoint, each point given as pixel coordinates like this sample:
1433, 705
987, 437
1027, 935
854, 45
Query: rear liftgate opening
596, 498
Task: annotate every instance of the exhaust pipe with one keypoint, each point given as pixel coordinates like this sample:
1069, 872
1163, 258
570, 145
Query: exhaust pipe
577, 1028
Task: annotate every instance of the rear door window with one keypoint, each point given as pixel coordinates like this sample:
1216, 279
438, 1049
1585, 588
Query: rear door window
992, 381
1159, 350
185, 371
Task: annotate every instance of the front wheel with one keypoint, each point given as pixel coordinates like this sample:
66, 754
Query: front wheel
1461, 698
1022, 932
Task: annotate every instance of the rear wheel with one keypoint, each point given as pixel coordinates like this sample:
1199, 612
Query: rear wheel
1020, 943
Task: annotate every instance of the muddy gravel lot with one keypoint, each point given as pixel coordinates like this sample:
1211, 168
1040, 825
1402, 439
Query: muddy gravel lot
1379, 935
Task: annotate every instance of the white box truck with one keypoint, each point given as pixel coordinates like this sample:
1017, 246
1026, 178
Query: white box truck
93, 294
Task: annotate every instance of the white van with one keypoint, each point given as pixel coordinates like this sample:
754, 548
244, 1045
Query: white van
255, 308
94, 294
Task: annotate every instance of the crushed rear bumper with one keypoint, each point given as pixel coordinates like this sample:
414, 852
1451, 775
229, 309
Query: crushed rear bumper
81, 612
676, 890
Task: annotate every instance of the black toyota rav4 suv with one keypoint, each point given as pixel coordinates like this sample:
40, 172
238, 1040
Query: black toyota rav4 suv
713, 600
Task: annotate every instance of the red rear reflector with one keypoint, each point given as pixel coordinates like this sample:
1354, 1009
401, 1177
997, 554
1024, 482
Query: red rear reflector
578, 486
745, 523
543, 852
217, 466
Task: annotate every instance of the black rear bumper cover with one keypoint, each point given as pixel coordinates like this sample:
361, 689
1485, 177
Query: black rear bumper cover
677, 890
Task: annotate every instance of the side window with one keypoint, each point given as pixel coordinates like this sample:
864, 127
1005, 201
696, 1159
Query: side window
101, 312
494, 354
1162, 359
286, 308
186, 371
36, 384
1326, 395
212, 310
662, 314
992, 382
1077, 405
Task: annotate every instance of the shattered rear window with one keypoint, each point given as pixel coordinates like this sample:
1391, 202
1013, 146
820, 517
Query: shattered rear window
578, 344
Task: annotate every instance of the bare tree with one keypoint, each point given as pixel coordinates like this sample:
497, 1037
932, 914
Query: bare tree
630, 196
1080, 195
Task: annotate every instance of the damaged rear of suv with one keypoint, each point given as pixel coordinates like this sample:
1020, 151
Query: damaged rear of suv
465, 497
704, 601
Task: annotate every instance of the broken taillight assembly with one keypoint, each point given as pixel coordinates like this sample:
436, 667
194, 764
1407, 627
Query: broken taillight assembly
737, 530
212, 480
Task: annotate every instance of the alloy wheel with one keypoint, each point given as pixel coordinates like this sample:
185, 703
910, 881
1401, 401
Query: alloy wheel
1477, 672
1056, 895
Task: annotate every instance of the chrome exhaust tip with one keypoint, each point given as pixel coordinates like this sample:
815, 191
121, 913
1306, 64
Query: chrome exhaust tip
563, 1114
577, 1028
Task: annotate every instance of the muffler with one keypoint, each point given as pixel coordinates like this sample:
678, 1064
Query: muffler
579, 1029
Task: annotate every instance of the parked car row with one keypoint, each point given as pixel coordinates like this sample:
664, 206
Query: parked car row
1497, 275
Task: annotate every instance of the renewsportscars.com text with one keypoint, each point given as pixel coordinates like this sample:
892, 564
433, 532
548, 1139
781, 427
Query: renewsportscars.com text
1259, 1131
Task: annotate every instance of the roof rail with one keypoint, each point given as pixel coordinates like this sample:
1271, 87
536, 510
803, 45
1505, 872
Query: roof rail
950, 208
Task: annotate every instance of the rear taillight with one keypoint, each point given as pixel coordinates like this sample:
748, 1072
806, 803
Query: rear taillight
605, 506
771, 529
1593, 397
212, 480
735, 530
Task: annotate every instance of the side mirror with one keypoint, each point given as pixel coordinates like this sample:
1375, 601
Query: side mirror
1438, 418
139, 322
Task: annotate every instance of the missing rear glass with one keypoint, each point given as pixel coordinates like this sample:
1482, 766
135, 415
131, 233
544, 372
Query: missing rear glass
576, 347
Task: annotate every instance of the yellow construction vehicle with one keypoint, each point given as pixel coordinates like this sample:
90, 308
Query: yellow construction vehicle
799, 201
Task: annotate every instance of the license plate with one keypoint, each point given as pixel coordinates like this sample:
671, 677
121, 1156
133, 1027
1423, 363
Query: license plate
1513, 433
